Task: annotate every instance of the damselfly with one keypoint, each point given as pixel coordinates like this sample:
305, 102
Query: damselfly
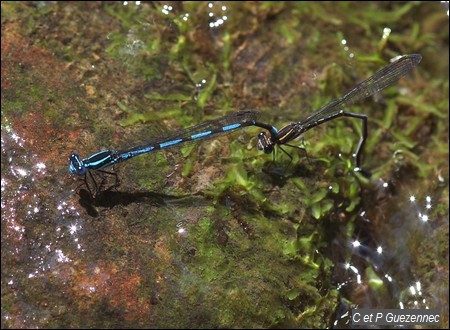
339, 108
106, 158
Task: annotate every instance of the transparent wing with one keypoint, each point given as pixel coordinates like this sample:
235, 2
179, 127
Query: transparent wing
206, 130
379, 81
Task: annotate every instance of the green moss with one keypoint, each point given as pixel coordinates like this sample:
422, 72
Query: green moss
374, 281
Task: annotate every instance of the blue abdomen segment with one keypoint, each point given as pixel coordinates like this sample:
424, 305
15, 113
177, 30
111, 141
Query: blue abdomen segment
200, 135
170, 143
231, 127
133, 153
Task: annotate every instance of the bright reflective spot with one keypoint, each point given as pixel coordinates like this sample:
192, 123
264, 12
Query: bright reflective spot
380, 250
413, 290
428, 199
18, 229
356, 243
343, 41
40, 166
216, 21
340, 285
386, 32
418, 286
73, 229
166, 9
15, 137
385, 184
412, 198
61, 257
354, 269
21, 172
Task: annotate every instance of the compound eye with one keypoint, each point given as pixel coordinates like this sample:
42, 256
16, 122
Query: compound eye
268, 149
73, 156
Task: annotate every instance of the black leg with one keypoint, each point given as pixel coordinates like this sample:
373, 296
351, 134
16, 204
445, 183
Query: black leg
298, 148
117, 183
295, 147
96, 188
99, 185
288, 154
363, 137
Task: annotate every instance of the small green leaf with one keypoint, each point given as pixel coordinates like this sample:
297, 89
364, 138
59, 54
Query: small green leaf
315, 210
291, 247
206, 93
170, 97
319, 195
326, 206
292, 294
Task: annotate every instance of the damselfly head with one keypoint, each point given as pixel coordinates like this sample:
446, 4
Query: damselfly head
76, 166
265, 143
